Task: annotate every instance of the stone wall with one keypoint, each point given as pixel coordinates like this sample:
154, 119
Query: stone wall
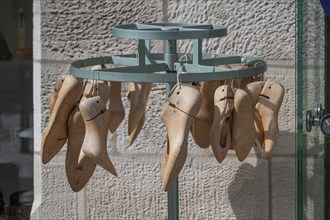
254, 189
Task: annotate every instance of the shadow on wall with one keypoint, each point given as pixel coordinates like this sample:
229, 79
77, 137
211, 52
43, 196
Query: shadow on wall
253, 182
268, 187
250, 182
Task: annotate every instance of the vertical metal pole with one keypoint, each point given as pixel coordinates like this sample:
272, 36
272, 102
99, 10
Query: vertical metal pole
327, 111
171, 56
299, 106
197, 51
144, 52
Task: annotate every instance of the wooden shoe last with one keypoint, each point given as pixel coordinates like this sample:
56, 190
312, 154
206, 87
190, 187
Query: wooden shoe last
77, 174
137, 94
96, 120
201, 127
253, 90
243, 131
54, 93
220, 134
115, 106
56, 132
268, 106
178, 114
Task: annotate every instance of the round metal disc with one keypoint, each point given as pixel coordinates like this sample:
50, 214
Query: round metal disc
168, 31
325, 125
309, 121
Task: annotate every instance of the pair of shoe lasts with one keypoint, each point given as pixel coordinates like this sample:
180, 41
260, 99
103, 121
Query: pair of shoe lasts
78, 173
232, 123
266, 100
87, 137
178, 115
89, 126
202, 125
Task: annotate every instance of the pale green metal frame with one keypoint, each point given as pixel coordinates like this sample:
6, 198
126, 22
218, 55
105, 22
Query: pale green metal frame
164, 68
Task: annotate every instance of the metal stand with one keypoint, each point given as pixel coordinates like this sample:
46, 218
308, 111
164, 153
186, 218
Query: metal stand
171, 56
163, 68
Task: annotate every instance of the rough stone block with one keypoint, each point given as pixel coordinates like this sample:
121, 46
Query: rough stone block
135, 194
78, 29
59, 202
260, 28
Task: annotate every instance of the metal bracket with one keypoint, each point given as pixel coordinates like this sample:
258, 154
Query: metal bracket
317, 117
313, 117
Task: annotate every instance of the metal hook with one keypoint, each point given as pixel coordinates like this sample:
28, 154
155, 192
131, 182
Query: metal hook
178, 81
258, 62
67, 69
184, 56
214, 56
180, 70
93, 84
97, 84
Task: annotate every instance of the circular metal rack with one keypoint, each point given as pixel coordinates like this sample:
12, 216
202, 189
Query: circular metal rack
155, 67
164, 67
